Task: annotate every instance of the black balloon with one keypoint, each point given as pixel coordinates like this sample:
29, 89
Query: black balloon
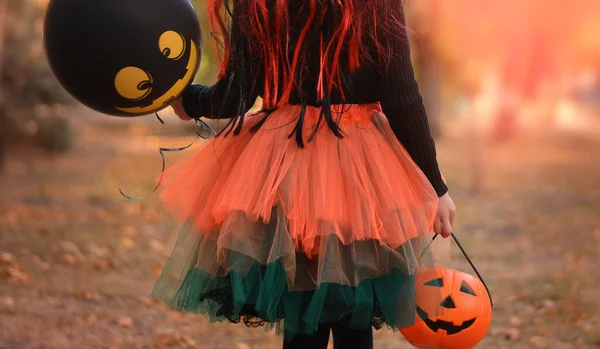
123, 57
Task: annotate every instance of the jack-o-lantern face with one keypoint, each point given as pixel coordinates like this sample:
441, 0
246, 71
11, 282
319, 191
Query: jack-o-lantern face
123, 58
138, 87
453, 310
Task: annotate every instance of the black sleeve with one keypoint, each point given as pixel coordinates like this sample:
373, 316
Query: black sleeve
236, 91
402, 103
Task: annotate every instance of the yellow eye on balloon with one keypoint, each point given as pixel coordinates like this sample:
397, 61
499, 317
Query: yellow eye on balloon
172, 45
133, 83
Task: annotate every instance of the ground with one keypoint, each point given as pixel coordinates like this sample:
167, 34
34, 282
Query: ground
78, 261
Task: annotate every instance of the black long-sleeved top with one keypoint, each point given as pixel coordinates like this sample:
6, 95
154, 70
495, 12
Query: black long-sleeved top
395, 88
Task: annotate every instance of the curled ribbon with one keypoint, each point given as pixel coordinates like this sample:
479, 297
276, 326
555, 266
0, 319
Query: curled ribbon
199, 136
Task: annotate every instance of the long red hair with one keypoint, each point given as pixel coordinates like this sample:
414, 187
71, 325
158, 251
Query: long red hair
361, 25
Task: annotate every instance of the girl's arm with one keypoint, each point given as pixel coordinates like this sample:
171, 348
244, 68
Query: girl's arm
235, 92
402, 103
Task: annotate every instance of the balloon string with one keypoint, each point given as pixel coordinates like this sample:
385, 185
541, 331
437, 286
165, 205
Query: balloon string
203, 127
159, 119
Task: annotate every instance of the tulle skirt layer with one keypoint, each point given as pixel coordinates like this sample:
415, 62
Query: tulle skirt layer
329, 232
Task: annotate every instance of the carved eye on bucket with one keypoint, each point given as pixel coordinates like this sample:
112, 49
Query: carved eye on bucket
435, 283
464, 288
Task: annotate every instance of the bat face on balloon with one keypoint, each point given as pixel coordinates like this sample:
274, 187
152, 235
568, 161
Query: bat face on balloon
123, 58
151, 85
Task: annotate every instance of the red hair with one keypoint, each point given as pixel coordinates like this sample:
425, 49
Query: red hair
360, 26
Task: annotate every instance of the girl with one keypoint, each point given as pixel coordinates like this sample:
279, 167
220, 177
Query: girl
315, 211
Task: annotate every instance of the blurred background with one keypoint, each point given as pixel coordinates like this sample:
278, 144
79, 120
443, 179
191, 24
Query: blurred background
513, 93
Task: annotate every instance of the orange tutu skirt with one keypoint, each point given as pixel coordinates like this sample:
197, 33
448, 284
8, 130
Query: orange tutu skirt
335, 230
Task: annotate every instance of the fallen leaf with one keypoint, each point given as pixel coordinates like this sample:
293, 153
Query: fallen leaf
7, 304
92, 319
191, 342
127, 244
43, 232
130, 209
12, 217
37, 261
91, 296
116, 344
19, 265
157, 246
17, 276
70, 248
543, 331
152, 217
125, 322
69, 260
170, 338
538, 342
167, 337
7, 258
96, 251
528, 309
588, 327
548, 304
512, 334
514, 321
99, 263
145, 300
129, 231
175, 317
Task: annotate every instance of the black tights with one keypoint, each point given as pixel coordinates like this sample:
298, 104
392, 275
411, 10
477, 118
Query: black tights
343, 338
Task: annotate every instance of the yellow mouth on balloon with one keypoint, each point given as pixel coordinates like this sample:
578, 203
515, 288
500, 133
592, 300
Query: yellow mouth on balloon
173, 92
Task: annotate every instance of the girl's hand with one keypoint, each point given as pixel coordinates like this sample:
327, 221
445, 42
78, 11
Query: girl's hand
445, 216
178, 109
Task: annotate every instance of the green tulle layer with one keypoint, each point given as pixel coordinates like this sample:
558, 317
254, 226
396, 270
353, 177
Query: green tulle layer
261, 297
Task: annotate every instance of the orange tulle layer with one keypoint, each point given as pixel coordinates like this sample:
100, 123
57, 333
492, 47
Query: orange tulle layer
362, 187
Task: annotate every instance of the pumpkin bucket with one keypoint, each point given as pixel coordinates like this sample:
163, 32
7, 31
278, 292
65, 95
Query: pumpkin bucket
462, 318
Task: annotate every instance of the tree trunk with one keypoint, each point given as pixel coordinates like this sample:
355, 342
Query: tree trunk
3, 11
430, 79
430, 72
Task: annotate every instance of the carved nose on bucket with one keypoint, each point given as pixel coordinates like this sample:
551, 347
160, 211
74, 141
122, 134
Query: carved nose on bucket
448, 303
